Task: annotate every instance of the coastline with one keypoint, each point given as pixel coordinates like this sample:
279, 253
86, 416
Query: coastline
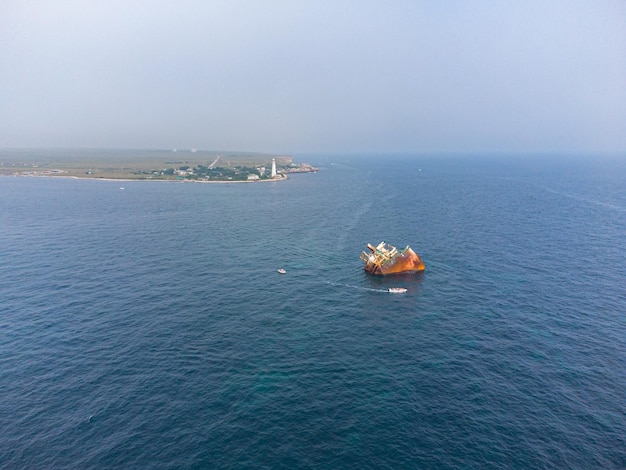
274, 180
151, 166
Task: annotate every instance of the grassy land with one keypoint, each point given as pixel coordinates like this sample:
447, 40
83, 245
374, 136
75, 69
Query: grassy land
123, 164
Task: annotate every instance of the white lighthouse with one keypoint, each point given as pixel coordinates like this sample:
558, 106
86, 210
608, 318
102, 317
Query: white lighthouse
273, 168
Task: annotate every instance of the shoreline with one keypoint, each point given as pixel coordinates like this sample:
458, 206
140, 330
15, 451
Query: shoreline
284, 178
150, 165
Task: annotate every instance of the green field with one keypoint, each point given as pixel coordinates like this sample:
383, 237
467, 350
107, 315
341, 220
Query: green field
123, 164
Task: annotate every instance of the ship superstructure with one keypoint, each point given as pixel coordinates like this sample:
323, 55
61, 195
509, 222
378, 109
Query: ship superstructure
384, 259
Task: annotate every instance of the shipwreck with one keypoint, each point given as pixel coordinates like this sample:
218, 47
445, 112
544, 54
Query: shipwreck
385, 259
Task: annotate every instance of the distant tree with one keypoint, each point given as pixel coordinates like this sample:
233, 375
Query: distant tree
169, 171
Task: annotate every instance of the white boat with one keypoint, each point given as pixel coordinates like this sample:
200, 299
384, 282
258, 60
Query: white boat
282, 271
397, 290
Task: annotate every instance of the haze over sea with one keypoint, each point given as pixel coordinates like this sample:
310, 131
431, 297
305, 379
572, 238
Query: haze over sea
148, 327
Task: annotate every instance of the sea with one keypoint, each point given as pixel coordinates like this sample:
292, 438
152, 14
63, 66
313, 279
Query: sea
145, 325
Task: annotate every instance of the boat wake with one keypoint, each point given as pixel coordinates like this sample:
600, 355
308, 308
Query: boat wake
606, 205
352, 286
344, 166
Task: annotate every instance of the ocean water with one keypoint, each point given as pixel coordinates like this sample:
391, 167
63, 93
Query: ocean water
148, 328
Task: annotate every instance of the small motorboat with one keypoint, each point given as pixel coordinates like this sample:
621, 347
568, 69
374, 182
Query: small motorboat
397, 290
282, 271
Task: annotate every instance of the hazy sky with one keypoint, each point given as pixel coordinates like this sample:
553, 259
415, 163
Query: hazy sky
315, 76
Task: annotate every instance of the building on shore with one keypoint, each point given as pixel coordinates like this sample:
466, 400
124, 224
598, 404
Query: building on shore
273, 168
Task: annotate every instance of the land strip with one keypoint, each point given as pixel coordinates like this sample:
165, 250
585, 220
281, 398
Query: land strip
160, 165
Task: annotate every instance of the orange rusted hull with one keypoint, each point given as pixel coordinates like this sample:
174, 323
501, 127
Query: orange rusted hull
384, 260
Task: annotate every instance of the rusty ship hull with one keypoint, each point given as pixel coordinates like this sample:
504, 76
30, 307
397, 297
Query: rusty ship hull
385, 260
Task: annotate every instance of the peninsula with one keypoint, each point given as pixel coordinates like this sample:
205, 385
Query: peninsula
150, 165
